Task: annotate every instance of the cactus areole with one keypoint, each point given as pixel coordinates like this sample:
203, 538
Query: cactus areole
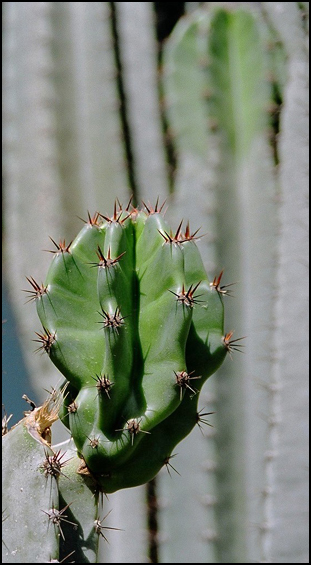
130, 319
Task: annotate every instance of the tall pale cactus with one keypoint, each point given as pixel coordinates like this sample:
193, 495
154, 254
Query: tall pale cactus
128, 315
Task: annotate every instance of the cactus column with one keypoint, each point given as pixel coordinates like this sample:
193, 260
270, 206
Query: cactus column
131, 320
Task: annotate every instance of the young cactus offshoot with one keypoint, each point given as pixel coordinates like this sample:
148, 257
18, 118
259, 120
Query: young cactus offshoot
130, 319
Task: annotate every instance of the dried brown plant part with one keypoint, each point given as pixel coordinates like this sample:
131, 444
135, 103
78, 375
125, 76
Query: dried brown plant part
5, 421
30, 402
40, 420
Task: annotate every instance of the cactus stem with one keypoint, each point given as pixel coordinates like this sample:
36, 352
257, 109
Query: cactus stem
117, 215
221, 289
182, 380
37, 291
61, 247
92, 220
179, 237
156, 210
106, 262
168, 464
99, 527
158, 337
56, 516
187, 297
46, 339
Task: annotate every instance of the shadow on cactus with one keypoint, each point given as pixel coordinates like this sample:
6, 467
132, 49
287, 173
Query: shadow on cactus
130, 319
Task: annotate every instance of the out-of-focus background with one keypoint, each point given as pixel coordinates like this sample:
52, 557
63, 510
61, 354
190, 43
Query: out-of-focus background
204, 104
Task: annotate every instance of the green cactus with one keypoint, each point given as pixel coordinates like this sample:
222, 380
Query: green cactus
131, 320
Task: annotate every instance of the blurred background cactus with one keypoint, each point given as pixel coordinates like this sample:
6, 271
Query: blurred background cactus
205, 104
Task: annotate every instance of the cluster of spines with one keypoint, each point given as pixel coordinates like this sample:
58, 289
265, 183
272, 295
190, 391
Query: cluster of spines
178, 237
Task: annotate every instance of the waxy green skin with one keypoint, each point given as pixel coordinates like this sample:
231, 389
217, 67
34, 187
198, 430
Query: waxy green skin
156, 336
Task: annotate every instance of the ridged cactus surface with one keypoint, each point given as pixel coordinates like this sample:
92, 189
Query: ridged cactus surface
49, 511
27, 504
131, 320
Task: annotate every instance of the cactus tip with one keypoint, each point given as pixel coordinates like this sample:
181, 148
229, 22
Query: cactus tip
61, 247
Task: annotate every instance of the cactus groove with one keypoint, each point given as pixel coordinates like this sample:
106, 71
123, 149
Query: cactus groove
130, 319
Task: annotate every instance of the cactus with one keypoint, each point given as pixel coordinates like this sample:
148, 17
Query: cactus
27, 504
131, 320
44, 499
216, 71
